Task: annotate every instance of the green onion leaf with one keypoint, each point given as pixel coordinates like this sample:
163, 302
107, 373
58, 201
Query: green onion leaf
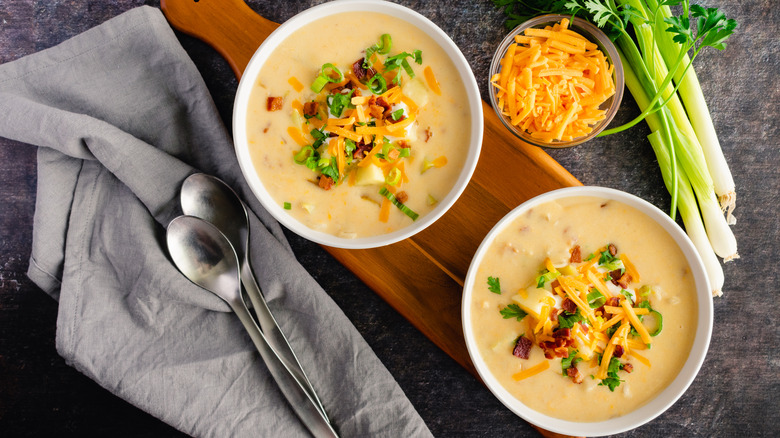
303, 155
377, 84
329, 74
406, 210
393, 177
319, 84
385, 43
397, 114
596, 299
545, 277
287, 206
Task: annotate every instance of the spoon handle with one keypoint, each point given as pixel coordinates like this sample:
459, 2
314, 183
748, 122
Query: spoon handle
273, 333
300, 400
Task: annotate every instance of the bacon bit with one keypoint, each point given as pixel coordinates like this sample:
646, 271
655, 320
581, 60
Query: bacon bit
360, 151
274, 103
562, 333
522, 347
325, 182
360, 72
428, 134
554, 314
618, 351
616, 274
612, 249
627, 367
584, 328
569, 305
402, 197
383, 103
624, 281
613, 301
310, 108
576, 255
376, 111
575, 374
555, 283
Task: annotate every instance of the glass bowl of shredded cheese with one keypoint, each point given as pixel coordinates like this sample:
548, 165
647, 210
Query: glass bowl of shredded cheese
555, 82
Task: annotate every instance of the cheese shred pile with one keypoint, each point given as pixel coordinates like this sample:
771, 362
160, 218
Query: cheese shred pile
553, 82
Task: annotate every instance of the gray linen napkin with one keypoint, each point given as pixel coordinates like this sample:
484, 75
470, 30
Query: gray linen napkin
122, 116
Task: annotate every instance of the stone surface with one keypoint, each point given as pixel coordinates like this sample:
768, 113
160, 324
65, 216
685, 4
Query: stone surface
734, 395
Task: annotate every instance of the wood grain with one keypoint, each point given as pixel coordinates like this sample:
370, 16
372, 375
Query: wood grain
508, 173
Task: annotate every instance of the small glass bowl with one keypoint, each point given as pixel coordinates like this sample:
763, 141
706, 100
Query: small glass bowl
593, 34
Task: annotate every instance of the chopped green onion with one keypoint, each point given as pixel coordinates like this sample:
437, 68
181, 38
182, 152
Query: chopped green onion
596, 299
325, 77
303, 155
406, 210
333, 69
338, 102
656, 322
431, 199
319, 84
385, 43
377, 84
404, 152
545, 277
393, 177
397, 114
287, 206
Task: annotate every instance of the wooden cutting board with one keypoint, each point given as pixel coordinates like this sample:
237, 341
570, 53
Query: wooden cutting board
509, 172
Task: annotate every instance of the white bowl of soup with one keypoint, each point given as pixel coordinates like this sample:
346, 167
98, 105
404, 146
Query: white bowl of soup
587, 311
357, 123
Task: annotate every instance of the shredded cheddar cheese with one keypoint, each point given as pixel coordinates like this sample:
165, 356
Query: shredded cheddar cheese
552, 83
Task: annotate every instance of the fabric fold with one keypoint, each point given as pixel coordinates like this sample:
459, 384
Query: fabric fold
121, 116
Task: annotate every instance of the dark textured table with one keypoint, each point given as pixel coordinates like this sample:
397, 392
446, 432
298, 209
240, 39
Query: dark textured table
736, 394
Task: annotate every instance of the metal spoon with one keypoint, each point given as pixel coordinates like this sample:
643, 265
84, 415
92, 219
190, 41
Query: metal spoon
212, 200
204, 255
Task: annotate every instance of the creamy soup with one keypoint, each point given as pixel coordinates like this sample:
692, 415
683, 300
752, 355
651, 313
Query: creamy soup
612, 264
318, 176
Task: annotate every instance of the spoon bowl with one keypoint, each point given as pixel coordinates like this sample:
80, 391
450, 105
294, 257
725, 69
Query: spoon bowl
205, 256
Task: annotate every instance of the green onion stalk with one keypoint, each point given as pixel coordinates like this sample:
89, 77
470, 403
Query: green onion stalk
684, 141
693, 98
686, 200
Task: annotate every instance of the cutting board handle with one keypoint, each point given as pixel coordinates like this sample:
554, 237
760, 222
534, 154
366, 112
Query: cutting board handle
229, 26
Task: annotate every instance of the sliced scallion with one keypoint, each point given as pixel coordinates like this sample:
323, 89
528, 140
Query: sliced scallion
393, 177
406, 210
377, 84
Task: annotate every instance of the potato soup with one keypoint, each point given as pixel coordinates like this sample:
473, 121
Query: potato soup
584, 309
358, 124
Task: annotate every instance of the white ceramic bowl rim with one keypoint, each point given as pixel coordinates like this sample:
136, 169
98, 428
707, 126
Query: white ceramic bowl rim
253, 68
662, 401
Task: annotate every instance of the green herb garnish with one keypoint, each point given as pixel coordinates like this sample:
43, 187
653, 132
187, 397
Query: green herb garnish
513, 311
494, 285
612, 381
567, 320
571, 361
596, 299
406, 210
287, 206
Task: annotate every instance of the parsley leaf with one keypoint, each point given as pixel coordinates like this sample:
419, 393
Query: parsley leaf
513, 311
571, 361
494, 285
612, 381
567, 320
